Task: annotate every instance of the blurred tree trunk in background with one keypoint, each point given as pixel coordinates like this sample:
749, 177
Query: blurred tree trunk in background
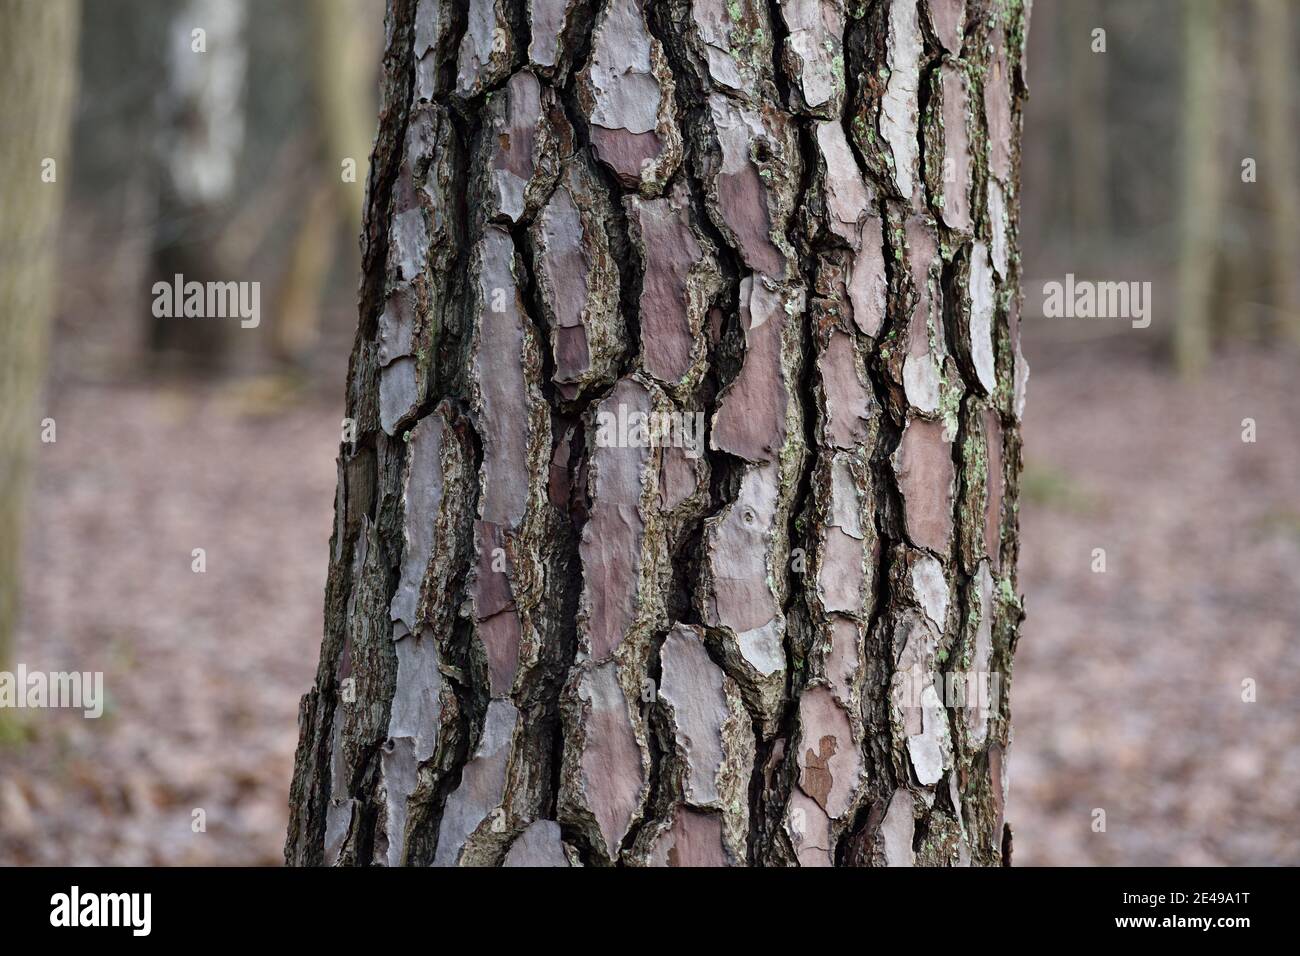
1278, 168
38, 57
1088, 126
296, 322
1202, 175
679, 481
343, 72
343, 67
200, 136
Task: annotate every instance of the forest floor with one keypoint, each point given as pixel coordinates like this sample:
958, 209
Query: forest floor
1127, 694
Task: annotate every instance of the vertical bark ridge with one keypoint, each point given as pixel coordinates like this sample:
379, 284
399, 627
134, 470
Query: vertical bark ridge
678, 832
729, 76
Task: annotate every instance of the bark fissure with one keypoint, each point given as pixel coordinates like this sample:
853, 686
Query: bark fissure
669, 22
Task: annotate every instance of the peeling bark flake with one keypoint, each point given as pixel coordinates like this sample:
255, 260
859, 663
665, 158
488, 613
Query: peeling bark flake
694, 839
830, 760
529, 141
736, 37
924, 470
947, 17
473, 821
539, 845
813, 55
751, 194
680, 280
627, 92
852, 217
900, 103
604, 779
578, 282
487, 48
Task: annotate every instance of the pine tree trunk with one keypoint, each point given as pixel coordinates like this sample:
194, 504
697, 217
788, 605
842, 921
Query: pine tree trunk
564, 626
38, 50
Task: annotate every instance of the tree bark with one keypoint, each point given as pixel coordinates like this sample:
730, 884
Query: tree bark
554, 637
38, 49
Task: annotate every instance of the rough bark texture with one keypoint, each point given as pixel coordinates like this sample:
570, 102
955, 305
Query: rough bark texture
558, 633
38, 45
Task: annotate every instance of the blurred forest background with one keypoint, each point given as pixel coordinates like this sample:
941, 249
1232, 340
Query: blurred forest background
1127, 693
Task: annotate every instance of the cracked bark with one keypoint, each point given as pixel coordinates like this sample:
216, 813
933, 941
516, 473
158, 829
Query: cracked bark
688, 386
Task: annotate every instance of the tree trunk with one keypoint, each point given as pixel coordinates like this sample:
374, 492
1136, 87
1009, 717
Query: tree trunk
201, 136
686, 394
1198, 257
1087, 129
343, 66
342, 83
1275, 74
38, 55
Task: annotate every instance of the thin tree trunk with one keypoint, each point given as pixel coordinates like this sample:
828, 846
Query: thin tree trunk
1200, 187
38, 56
1087, 130
1278, 166
555, 637
342, 83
